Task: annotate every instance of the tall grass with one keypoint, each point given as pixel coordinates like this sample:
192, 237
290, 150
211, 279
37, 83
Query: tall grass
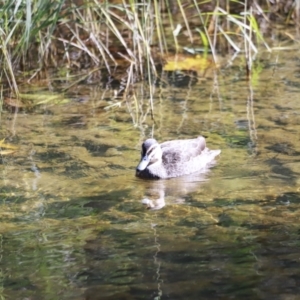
36, 34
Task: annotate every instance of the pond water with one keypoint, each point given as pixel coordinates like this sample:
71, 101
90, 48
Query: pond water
73, 222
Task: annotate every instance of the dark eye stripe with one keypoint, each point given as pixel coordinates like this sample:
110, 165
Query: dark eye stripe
144, 149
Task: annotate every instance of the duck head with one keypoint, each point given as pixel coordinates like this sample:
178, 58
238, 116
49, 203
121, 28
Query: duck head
151, 153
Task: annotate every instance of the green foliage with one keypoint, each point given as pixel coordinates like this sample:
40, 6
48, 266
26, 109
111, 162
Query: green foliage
26, 25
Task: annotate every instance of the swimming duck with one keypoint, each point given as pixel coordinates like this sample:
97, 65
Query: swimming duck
174, 158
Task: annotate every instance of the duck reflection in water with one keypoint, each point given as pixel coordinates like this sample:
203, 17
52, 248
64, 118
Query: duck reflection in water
158, 193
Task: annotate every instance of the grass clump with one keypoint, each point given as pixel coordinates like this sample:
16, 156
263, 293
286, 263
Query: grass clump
136, 36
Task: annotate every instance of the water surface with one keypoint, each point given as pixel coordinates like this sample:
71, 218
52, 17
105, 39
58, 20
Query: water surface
73, 225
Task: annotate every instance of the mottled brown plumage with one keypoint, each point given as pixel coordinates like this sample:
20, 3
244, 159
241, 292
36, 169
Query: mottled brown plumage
174, 158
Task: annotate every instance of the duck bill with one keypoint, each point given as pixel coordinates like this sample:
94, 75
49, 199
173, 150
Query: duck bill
143, 163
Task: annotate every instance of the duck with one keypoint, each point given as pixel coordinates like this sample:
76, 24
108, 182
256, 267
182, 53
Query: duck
174, 158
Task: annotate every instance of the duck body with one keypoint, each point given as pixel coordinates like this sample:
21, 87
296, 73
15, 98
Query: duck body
174, 158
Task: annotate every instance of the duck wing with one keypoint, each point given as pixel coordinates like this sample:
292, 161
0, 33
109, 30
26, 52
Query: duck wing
180, 151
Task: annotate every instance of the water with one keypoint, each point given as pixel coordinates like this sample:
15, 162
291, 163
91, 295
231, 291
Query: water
77, 224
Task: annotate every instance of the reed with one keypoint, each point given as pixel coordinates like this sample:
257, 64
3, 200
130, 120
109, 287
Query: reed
135, 36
